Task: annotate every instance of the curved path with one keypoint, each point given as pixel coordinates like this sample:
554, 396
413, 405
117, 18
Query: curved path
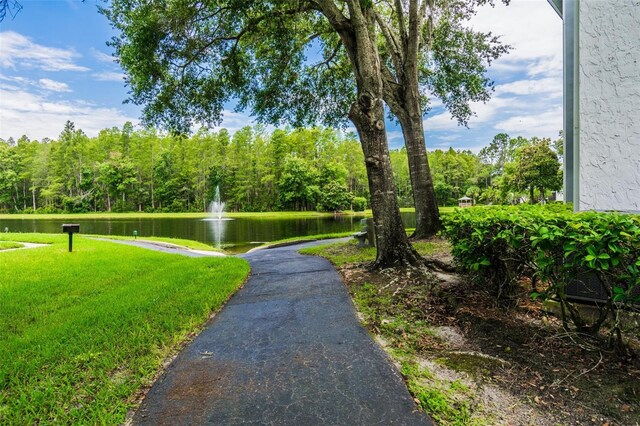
286, 349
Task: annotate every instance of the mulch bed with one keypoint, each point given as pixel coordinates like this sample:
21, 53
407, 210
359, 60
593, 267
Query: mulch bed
572, 379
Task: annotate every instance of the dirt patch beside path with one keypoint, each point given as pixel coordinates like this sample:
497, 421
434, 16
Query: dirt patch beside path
484, 364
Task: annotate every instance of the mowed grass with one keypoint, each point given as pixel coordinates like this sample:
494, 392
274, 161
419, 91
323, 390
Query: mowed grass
82, 333
6, 245
194, 245
343, 253
304, 238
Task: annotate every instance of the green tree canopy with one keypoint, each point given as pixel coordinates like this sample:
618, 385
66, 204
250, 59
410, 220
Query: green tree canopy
537, 167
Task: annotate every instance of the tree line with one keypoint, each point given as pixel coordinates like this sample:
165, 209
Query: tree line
287, 169
127, 170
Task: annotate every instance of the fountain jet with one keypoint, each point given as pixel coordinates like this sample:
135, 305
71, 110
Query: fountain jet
217, 206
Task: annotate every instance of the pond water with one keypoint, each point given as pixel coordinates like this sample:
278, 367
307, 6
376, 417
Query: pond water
237, 235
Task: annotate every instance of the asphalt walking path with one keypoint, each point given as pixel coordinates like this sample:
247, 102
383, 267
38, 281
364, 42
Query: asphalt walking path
286, 349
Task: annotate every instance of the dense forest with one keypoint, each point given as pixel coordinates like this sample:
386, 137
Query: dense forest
291, 169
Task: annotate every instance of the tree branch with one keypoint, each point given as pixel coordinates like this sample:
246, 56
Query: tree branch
334, 15
395, 50
402, 26
251, 25
330, 58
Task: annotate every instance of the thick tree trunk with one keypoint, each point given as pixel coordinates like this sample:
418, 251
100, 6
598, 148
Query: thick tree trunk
367, 114
401, 93
424, 196
404, 101
531, 194
393, 248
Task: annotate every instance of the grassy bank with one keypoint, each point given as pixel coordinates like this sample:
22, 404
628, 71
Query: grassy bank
255, 215
194, 245
8, 245
341, 254
294, 240
82, 333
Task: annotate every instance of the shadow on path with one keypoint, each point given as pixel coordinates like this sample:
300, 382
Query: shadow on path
286, 349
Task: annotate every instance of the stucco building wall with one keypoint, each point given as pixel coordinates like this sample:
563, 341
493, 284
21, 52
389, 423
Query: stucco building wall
609, 105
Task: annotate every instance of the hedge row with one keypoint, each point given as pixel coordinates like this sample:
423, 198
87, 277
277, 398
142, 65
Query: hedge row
555, 247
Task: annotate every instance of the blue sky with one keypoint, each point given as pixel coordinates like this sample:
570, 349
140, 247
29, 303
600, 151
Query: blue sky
55, 66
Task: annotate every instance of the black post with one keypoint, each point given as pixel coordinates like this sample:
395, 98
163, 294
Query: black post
70, 229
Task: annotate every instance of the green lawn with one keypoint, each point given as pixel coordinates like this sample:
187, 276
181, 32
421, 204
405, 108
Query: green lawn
6, 245
194, 245
349, 252
82, 332
292, 240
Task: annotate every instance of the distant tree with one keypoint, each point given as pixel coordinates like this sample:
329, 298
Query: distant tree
9, 177
537, 167
298, 187
558, 146
473, 192
402, 176
453, 171
334, 197
333, 192
501, 150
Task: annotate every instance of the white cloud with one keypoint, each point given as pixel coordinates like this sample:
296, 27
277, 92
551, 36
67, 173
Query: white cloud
483, 113
101, 56
37, 116
534, 31
43, 83
449, 138
528, 94
14, 79
395, 136
109, 76
545, 124
442, 121
18, 50
552, 86
54, 86
234, 121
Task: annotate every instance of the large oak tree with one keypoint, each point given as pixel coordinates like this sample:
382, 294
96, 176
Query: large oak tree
186, 58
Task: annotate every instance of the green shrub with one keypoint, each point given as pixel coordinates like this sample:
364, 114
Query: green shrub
500, 245
359, 204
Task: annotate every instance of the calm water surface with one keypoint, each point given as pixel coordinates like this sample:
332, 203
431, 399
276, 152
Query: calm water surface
237, 235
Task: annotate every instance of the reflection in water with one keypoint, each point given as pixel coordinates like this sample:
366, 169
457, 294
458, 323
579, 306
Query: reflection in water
217, 228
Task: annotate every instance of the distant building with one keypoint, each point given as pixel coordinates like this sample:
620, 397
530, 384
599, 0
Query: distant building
601, 103
465, 202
